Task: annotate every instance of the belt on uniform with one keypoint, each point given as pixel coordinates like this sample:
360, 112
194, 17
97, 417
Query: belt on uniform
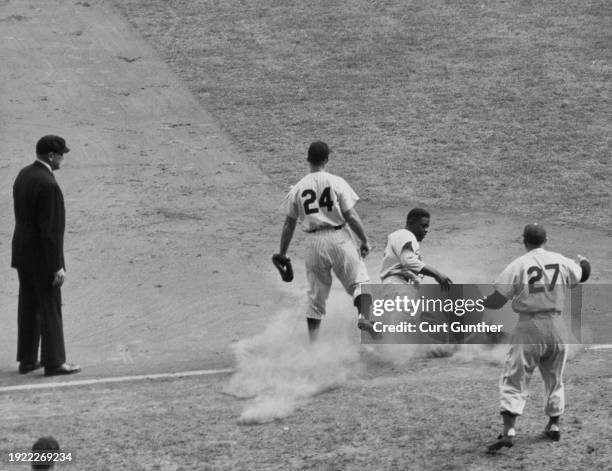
333, 228
408, 278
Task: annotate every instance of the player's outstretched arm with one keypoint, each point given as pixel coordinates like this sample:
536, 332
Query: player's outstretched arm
354, 222
586, 268
496, 300
440, 277
287, 234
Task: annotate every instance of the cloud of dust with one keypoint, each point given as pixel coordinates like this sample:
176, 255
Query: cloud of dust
279, 370
493, 354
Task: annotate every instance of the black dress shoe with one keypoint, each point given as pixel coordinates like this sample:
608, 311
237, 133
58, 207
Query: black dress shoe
63, 369
27, 367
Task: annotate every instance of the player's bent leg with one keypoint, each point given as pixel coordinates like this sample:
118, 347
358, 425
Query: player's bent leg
555, 393
352, 273
318, 292
552, 373
318, 274
348, 266
363, 303
394, 280
506, 438
514, 383
513, 387
551, 367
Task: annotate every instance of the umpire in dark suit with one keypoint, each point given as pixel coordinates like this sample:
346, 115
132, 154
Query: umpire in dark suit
38, 256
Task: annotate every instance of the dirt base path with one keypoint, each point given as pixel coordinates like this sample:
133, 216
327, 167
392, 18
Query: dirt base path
166, 224
170, 231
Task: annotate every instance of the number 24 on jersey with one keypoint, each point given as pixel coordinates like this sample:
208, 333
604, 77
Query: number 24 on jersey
312, 205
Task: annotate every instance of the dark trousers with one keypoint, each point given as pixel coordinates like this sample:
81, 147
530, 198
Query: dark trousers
39, 320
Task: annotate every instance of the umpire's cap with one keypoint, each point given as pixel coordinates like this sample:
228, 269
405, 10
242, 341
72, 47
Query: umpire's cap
51, 143
534, 234
318, 152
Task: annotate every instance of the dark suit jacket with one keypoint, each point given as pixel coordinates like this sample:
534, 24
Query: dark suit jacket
40, 221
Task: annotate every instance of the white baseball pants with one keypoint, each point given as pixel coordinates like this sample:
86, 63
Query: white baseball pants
328, 251
537, 341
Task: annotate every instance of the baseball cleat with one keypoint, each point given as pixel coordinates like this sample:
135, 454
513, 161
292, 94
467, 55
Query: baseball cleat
552, 432
367, 325
502, 441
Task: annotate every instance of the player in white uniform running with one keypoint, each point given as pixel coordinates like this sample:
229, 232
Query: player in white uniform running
323, 204
536, 284
402, 262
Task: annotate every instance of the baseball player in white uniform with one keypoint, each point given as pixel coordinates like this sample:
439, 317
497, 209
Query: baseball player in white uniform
402, 262
323, 204
536, 284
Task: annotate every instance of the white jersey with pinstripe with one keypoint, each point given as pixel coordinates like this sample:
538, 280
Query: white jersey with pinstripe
318, 202
537, 283
319, 199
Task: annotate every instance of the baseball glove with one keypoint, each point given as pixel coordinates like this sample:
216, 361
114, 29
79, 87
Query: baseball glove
283, 265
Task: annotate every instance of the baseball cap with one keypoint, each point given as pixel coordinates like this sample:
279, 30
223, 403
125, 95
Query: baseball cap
318, 152
534, 234
44, 444
51, 143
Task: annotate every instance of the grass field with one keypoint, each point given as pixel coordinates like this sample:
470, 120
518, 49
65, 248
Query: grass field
496, 105
427, 415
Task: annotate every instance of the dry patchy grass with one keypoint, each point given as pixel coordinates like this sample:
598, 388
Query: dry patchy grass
496, 105
425, 415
